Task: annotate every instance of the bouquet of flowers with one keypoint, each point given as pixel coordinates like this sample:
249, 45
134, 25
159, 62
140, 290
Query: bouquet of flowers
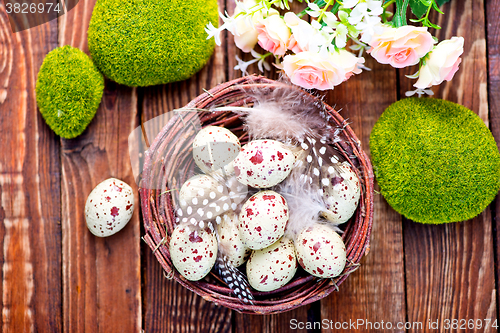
314, 54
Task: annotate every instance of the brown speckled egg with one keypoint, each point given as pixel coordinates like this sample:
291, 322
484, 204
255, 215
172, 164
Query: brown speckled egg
273, 267
109, 207
193, 251
230, 241
320, 251
214, 148
263, 163
263, 219
341, 194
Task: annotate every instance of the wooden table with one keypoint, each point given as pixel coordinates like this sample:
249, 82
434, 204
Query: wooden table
56, 276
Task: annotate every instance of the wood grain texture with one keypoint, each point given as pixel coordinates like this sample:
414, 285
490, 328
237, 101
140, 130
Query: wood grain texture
376, 291
279, 322
449, 268
169, 307
492, 8
101, 276
30, 230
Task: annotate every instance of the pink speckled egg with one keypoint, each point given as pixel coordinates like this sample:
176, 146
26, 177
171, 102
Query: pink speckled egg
109, 207
193, 251
230, 241
273, 267
320, 251
214, 148
203, 199
263, 163
341, 192
263, 219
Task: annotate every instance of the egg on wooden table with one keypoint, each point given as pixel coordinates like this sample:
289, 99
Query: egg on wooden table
214, 148
263, 219
109, 207
263, 163
320, 251
273, 267
193, 251
341, 193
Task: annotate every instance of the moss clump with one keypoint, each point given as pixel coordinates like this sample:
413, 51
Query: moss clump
143, 43
435, 161
68, 91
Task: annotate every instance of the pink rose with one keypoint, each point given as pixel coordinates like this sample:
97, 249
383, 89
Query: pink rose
273, 34
245, 35
320, 71
401, 47
442, 63
302, 33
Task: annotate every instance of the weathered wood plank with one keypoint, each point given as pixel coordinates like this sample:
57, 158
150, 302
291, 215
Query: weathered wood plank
376, 291
101, 276
493, 43
30, 230
449, 268
169, 307
278, 322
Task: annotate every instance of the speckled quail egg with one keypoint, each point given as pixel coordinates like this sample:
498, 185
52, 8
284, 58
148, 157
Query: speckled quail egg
263, 163
320, 251
273, 267
193, 251
263, 219
109, 207
341, 192
214, 148
203, 199
230, 241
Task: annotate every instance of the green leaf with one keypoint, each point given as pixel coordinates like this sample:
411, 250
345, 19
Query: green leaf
335, 8
441, 2
400, 16
418, 7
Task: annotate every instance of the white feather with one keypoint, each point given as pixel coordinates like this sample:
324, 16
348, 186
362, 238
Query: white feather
284, 114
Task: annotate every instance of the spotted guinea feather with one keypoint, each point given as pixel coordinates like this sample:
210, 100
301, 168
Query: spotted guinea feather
234, 278
208, 209
317, 166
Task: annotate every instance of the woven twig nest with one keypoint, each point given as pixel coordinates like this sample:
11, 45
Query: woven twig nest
164, 159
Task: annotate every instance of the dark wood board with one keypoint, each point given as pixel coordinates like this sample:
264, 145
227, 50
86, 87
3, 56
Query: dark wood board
376, 291
101, 276
180, 309
492, 10
56, 276
449, 273
30, 212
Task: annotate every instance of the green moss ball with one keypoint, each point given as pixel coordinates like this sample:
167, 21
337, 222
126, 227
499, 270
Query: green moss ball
69, 89
435, 161
143, 43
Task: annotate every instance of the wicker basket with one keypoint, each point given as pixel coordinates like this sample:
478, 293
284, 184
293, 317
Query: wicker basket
159, 216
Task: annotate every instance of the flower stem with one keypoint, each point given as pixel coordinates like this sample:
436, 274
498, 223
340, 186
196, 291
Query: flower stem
388, 4
323, 10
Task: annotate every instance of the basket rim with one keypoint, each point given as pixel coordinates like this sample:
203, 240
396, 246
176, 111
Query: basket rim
156, 225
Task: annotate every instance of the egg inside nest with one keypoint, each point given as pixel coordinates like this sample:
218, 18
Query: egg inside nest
297, 173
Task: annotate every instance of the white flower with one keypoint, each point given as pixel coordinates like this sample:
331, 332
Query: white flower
258, 58
262, 63
366, 17
314, 10
349, 3
419, 92
214, 32
243, 65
